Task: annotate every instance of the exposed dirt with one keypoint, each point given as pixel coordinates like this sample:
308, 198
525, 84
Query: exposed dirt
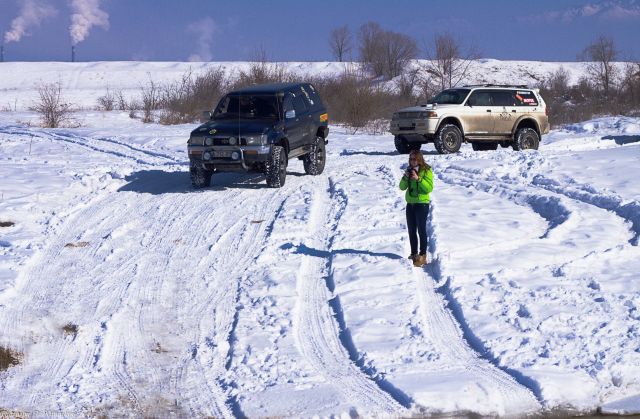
77, 244
9, 358
7, 223
70, 329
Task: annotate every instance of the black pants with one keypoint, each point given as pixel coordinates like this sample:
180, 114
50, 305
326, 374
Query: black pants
417, 220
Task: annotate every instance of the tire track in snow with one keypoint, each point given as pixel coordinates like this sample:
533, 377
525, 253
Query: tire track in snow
443, 321
315, 326
128, 346
100, 145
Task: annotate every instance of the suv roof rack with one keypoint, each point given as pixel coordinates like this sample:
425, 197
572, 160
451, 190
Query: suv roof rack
518, 86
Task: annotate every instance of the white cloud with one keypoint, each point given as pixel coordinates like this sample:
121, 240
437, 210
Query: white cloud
607, 10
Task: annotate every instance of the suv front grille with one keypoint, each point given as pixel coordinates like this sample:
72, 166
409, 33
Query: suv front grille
408, 115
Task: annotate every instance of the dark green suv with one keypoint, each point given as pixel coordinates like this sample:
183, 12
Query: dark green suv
260, 128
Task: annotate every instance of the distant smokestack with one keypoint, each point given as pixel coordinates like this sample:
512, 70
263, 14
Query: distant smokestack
73, 53
1, 53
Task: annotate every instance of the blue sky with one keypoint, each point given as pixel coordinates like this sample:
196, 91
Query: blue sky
298, 30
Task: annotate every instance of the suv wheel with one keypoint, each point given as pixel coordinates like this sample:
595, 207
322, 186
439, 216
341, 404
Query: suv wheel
276, 169
405, 147
526, 139
478, 146
200, 178
448, 139
314, 162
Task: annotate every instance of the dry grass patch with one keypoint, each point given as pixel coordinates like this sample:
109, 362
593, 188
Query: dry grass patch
70, 329
9, 358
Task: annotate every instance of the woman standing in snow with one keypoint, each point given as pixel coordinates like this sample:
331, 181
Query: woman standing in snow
417, 181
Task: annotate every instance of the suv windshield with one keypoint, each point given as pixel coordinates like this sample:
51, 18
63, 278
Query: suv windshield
450, 97
247, 107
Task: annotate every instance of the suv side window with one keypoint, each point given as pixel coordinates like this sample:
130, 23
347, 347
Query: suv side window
503, 98
525, 98
480, 98
288, 103
299, 104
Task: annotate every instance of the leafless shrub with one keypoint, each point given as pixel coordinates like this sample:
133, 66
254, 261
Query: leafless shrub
262, 72
385, 53
51, 106
184, 100
354, 100
107, 101
340, 41
150, 97
121, 101
447, 62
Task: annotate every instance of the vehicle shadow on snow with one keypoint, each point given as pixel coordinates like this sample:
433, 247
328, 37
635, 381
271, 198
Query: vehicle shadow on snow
380, 153
158, 182
623, 139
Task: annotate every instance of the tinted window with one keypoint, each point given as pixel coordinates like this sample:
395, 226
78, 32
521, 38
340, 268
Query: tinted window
525, 98
480, 98
247, 107
288, 103
450, 97
312, 96
299, 104
503, 98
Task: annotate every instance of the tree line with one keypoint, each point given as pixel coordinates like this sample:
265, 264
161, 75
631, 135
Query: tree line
381, 74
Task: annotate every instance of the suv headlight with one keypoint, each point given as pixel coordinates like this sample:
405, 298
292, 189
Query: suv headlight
255, 139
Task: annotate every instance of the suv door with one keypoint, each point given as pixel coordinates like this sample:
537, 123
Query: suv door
478, 117
303, 112
295, 125
504, 111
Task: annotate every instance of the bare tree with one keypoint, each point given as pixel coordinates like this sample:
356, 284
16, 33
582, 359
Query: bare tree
385, 53
601, 55
340, 42
51, 105
399, 50
447, 62
371, 46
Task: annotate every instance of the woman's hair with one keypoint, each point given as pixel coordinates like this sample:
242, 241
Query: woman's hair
420, 159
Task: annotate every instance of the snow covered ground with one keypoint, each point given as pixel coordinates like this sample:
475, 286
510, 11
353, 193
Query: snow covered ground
124, 292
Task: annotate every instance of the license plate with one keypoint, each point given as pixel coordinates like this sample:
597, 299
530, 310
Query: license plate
224, 154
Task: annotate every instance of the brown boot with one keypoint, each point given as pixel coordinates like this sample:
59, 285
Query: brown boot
420, 261
412, 256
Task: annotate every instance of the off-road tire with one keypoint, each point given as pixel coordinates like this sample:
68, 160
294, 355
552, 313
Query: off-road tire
276, 167
200, 178
526, 139
314, 162
448, 139
482, 146
403, 146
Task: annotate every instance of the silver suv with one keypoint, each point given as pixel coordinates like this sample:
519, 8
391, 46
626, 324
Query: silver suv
486, 116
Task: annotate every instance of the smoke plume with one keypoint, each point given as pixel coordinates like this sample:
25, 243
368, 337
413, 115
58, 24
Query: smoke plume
204, 30
86, 14
32, 13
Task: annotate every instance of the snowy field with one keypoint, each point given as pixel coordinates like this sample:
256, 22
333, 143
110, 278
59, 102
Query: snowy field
125, 293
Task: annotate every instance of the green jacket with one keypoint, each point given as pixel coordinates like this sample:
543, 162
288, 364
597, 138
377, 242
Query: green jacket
418, 190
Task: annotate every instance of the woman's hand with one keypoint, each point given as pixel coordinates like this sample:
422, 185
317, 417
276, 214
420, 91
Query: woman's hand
414, 175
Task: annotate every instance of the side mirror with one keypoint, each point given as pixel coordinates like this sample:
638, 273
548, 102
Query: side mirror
206, 115
290, 114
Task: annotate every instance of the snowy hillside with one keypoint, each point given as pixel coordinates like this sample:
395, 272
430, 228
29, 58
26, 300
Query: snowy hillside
124, 292
83, 83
